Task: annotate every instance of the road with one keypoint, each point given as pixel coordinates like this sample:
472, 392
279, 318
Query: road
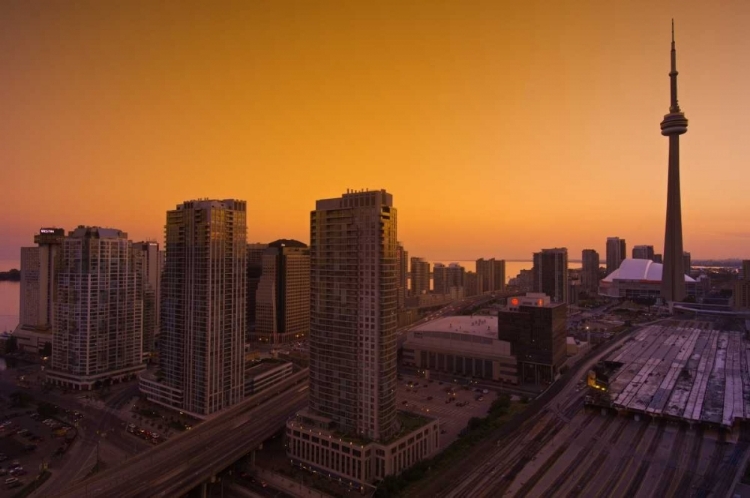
85, 449
485, 472
190, 458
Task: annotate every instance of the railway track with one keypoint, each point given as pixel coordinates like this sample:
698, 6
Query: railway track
637, 481
668, 478
596, 462
683, 488
567, 473
612, 484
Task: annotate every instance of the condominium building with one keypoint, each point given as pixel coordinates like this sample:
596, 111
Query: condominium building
472, 284
148, 262
491, 273
420, 276
98, 310
590, 271
283, 298
616, 253
403, 274
353, 346
687, 262
254, 271
742, 287
643, 252
203, 305
38, 269
550, 273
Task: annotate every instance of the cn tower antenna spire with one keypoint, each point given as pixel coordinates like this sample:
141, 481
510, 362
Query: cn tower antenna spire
673, 105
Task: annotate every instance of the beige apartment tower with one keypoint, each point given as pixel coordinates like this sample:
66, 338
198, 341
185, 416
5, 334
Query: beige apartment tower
351, 429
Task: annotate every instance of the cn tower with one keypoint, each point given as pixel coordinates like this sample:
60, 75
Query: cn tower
674, 124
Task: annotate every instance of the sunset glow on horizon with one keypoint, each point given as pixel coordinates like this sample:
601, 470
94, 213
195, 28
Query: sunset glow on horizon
499, 127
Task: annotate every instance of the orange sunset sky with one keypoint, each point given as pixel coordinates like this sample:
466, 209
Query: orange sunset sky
501, 127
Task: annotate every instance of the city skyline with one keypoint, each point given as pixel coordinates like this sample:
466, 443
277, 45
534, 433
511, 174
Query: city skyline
433, 106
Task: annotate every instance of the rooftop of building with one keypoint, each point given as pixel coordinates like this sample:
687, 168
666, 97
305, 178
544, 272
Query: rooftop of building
689, 370
287, 243
639, 269
483, 326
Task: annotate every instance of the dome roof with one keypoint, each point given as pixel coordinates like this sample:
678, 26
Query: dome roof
639, 269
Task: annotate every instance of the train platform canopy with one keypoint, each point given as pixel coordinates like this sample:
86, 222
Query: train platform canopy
689, 370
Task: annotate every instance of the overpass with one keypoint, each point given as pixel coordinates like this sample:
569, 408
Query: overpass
190, 459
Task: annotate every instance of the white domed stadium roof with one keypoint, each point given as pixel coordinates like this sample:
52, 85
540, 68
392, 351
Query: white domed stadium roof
639, 269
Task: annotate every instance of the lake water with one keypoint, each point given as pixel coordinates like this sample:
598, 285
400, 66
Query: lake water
512, 268
10, 295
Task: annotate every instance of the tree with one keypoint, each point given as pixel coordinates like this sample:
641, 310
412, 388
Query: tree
47, 349
11, 344
46, 410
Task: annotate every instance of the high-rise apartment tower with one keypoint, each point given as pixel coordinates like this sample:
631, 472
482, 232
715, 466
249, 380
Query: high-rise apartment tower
204, 293
590, 271
550, 273
616, 253
98, 310
353, 316
283, 298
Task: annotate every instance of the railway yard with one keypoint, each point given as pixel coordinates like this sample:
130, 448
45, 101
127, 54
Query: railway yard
571, 449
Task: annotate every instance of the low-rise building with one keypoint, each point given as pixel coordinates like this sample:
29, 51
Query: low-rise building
260, 375
313, 444
464, 345
536, 329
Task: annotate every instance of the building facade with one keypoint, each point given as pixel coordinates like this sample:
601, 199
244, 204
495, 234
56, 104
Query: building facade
536, 328
403, 274
148, 260
39, 267
616, 253
283, 297
254, 270
643, 252
491, 274
590, 271
353, 346
550, 273
420, 276
98, 310
463, 345
204, 293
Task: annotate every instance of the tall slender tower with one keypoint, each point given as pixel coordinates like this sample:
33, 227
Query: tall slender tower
674, 124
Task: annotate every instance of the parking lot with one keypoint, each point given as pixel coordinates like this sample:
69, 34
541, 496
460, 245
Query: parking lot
27, 441
453, 415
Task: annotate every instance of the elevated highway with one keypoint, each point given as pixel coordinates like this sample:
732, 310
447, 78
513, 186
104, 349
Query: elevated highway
192, 458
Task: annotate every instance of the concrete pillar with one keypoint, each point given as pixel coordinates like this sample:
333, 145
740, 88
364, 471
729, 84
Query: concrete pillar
604, 412
637, 417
